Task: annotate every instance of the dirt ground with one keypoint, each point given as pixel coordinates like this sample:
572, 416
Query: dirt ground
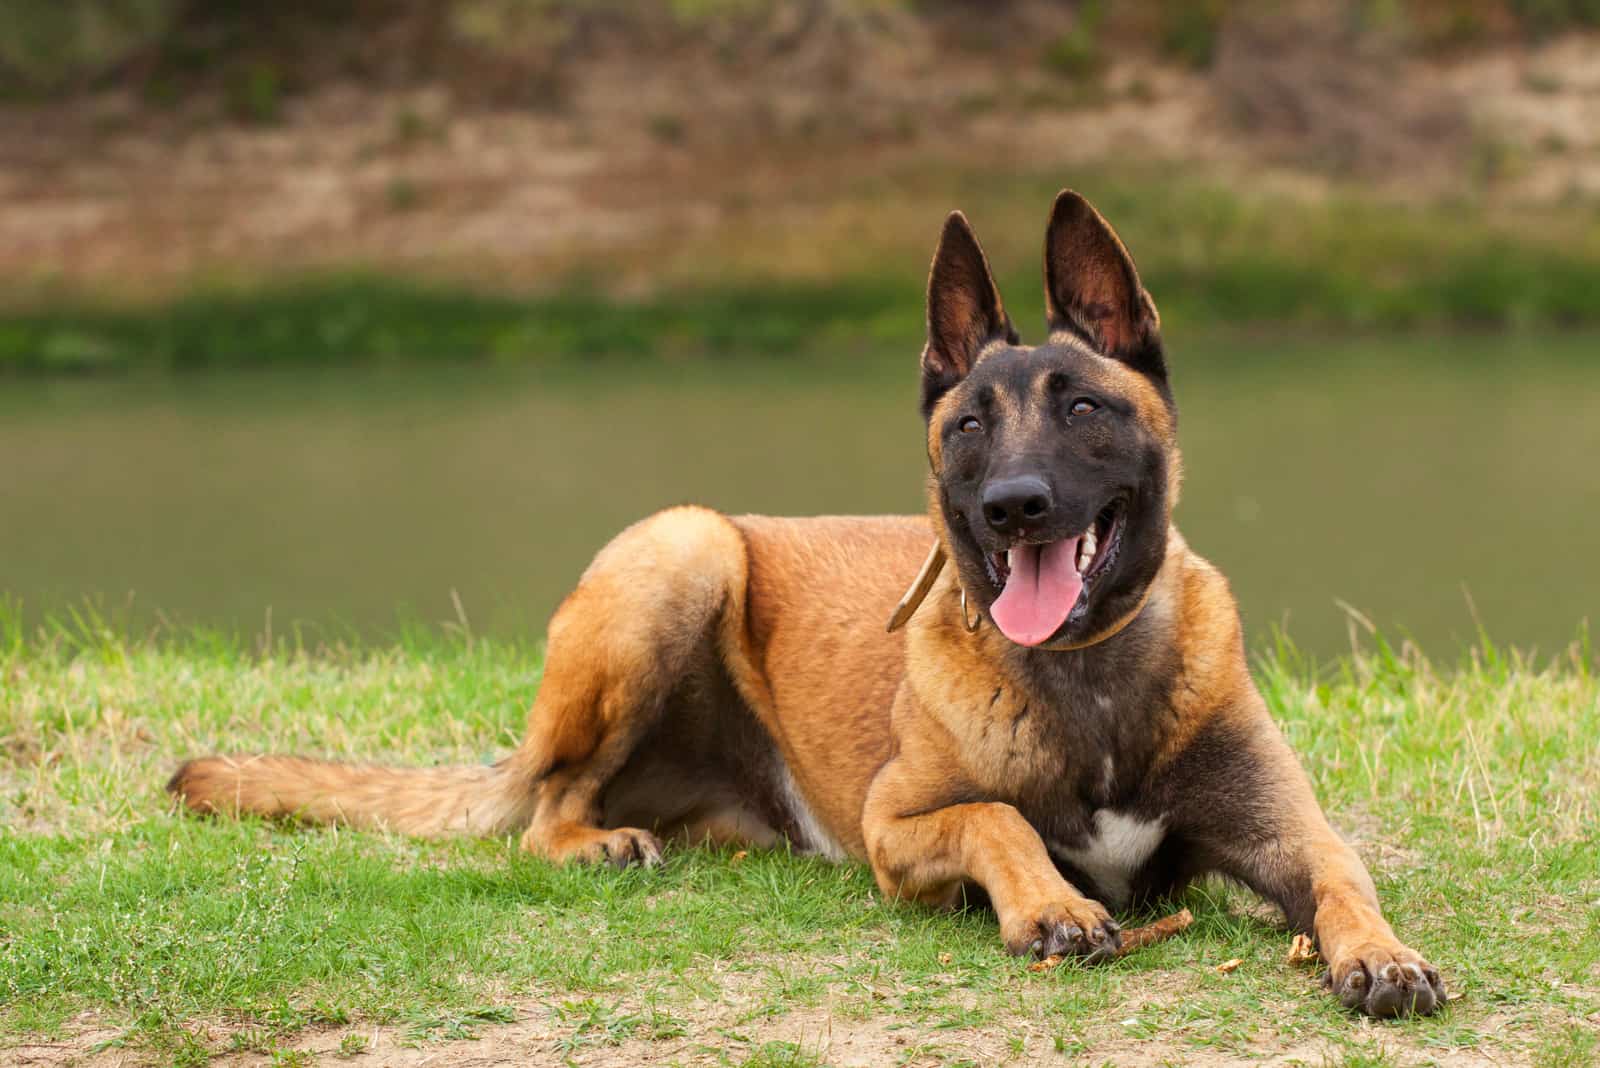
722, 1032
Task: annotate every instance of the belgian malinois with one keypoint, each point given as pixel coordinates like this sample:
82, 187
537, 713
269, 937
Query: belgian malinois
1067, 721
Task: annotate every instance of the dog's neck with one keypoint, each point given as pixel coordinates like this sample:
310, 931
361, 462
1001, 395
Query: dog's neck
933, 566
1116, 691
1117, 627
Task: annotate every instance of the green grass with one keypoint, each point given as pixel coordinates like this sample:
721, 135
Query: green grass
371, 319
851, 277
1474, 793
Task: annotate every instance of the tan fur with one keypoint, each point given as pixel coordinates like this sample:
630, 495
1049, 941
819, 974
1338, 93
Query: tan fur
798, 607
699, 651
648, 598
424, 802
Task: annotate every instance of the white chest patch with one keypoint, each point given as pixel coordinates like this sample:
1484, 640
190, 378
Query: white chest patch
1118, 848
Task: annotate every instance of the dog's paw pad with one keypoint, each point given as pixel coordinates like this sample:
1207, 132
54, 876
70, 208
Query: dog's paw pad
1069, 930
1388, 983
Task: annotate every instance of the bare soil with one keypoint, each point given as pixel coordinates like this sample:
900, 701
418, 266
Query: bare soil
641, 158
729, 1027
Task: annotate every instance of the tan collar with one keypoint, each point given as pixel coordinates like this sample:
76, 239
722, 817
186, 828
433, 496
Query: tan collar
929, 573
920, 586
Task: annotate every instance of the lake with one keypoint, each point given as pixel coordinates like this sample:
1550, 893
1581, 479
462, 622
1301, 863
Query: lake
1418, 480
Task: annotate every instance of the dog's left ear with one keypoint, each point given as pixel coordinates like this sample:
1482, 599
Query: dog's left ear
1092, 289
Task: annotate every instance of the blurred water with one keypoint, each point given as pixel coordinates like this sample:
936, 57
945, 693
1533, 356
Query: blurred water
1392, 474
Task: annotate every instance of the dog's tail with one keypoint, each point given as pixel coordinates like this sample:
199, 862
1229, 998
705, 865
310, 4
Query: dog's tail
426, 802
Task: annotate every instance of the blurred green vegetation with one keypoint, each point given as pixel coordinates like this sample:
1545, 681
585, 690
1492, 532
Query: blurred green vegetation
367, 318
1553, 16
53, 44
253, 52
1209, 255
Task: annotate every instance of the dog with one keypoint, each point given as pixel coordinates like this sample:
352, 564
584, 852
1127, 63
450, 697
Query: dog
1059, 716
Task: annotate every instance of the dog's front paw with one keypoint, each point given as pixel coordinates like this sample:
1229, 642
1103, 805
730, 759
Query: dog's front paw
1386, 981
1071, 928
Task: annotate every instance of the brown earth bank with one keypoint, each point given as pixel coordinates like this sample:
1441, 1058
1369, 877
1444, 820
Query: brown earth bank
520, 143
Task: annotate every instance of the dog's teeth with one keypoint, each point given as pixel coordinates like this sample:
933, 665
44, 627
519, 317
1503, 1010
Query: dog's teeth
1086, 552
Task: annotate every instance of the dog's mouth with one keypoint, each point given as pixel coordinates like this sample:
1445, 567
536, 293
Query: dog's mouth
1040, 586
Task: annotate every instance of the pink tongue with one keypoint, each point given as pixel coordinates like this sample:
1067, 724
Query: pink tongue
1042, 588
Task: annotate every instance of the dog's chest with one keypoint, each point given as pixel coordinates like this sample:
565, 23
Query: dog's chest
1099, 825
1081, 771
1113, 850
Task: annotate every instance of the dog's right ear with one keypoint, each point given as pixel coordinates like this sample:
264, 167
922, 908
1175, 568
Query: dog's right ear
965, 312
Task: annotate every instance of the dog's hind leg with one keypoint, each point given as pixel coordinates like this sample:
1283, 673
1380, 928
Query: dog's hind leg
649, 607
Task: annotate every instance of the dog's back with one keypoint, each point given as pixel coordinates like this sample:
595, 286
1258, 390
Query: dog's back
763, 627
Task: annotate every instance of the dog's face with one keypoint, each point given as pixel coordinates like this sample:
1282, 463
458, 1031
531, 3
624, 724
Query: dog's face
1053, 467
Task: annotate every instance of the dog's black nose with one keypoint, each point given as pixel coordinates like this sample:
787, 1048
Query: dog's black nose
1009, 504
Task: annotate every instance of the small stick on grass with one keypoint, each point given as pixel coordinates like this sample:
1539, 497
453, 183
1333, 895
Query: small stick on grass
1133, 938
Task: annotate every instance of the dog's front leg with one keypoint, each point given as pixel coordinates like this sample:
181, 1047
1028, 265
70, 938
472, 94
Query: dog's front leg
1278, 841
1369, 968
926, 853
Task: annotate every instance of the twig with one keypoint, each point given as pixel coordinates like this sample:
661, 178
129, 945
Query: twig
1133, 938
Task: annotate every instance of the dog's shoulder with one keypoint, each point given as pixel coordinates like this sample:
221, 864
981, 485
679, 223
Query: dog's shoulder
1220, 720
1212, 668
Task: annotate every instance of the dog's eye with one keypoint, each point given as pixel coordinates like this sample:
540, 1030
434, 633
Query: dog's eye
1083, 406
969, 425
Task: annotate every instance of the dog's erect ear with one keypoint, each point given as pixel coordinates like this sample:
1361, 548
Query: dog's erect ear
1092, 289
964, 311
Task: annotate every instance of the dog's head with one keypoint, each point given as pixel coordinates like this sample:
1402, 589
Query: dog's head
1054, 467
